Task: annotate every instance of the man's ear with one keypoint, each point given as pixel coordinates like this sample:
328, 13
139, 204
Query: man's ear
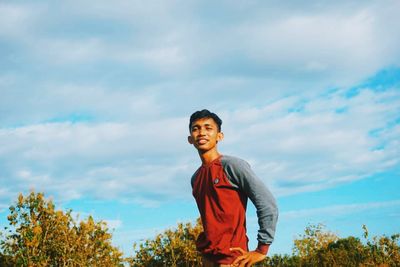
190, 140
220, 136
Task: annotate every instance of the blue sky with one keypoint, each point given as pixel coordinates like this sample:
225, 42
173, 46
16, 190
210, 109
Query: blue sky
95, 100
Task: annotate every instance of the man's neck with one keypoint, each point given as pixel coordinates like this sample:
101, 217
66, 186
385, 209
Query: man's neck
209, 156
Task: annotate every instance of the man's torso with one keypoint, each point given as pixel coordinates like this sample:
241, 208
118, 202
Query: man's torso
222, 207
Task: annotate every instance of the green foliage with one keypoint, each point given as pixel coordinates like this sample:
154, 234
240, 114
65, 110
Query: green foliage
318, 247
39, 235
171, 248
313, 239
382, 251
281, 261
6, 261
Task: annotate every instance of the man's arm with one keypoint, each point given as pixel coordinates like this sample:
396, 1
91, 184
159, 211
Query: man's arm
241, 174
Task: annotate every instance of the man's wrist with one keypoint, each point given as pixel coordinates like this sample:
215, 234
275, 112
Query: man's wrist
262, 248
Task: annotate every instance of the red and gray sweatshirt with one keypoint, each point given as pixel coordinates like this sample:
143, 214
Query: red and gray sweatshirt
221, 189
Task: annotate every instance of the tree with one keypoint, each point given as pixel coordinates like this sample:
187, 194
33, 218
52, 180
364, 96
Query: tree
318, 247
174, 247
382, 251
39, 235
313, 239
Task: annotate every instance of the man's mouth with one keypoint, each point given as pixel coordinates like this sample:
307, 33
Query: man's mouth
202, 141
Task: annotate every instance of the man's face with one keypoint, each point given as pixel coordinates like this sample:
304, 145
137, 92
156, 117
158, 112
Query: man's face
204, 134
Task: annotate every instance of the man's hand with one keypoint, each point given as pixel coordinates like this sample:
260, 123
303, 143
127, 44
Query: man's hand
247, 259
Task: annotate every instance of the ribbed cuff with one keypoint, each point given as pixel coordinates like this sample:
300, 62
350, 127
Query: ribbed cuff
262, 248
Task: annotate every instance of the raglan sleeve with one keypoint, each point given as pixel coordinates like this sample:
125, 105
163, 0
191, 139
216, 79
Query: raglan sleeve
267, 211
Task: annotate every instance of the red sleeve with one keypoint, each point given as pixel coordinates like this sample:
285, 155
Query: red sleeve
262, 248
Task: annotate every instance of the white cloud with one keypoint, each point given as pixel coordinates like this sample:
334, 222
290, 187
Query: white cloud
31, 26
17, 20
336, 43
247, 61
147, 159
105, 160
54, 102
327, 44
338, 210
318, 147
64, 51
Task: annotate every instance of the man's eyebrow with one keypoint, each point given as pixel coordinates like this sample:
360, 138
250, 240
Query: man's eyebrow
206, 124
199, 125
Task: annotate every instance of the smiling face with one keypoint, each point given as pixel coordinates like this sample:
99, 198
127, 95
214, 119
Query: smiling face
204, 135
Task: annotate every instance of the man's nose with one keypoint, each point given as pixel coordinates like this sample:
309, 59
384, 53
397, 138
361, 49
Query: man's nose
202, 131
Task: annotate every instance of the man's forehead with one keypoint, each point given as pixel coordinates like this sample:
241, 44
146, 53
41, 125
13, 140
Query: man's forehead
204, 121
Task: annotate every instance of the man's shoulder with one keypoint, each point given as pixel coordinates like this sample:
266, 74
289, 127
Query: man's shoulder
236, 169
195, 173
194, 176
197, 170
234, 162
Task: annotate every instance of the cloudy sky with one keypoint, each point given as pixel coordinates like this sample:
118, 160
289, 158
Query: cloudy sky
95, 98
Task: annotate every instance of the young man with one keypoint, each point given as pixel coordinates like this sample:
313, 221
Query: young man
221, 187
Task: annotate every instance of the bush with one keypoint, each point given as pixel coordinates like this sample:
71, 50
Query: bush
318, 247
174, 247
39, 235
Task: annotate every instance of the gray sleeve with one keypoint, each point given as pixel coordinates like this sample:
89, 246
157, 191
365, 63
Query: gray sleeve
240, 174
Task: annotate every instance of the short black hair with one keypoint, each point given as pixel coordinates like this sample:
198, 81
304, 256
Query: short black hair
205, 113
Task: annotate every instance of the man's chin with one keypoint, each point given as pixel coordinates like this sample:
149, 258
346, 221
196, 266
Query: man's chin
202, 149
